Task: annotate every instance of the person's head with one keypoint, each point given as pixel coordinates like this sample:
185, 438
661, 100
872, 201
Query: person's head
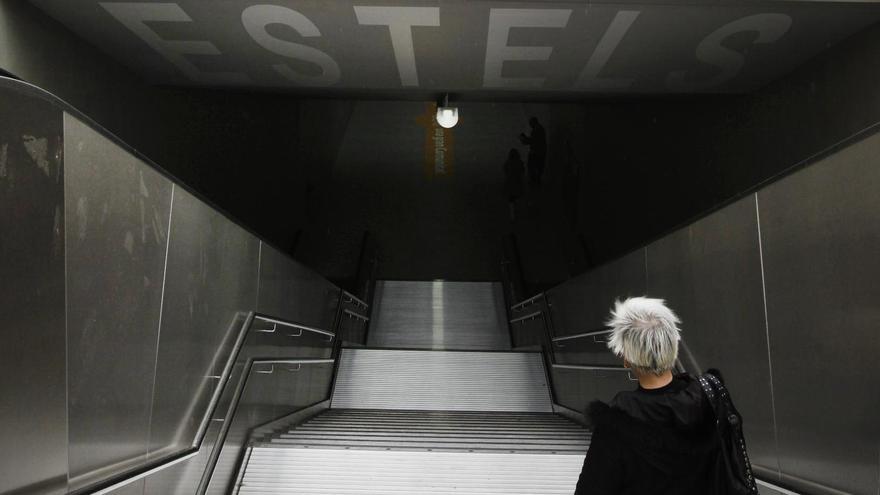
644, 333
513, 155
533, 121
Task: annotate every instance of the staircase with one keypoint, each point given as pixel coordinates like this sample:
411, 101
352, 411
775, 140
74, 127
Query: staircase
376, 451
441, 381
434, 421
439, 315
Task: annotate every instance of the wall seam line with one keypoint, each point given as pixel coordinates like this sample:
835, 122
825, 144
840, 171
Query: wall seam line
64, 184
259, 270
767, 335
647, 286
159, 329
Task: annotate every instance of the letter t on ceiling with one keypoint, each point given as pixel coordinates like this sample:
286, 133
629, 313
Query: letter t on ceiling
400, 21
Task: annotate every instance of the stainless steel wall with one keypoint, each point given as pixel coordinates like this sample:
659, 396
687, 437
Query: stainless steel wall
573, 313
117, 213
33, 406
210, 285
272, 391
592, 350
204, 274
778, 290
291, 291
152, 282
529, 332
353, 325
575, 388
820, 230
580, 306
710, 274
184, 477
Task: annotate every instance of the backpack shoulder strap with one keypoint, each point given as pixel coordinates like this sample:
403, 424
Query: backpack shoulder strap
709, 388
720, 389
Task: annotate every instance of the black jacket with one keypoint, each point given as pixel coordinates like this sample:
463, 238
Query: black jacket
651, 447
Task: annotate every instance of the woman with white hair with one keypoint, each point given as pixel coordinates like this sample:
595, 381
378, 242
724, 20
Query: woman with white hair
660, 438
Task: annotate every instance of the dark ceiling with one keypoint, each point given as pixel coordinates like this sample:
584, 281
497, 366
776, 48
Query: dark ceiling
474, 49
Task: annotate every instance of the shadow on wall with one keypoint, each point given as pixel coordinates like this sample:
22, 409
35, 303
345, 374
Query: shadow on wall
431, 223
657, 163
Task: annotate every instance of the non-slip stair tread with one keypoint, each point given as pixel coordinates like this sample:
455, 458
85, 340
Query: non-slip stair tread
300, 471
439, 315
451, 426
441, 381
421, 431
425, 435
430, 446
360, 452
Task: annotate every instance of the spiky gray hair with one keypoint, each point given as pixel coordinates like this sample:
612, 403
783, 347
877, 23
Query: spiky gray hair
645, 333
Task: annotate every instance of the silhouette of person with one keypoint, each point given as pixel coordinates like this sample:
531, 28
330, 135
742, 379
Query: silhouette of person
537, 143
514, 170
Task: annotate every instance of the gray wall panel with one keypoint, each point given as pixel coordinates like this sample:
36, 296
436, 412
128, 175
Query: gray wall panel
184, 478
117, 211
290, 342
763, 490
353, 330
300, 387
317, 388
272, 391
710, 275
133, 488
821, 238
293, 292
33, 408
528, 333
592, 350
256, 407
582, 304
575, 388
211, 284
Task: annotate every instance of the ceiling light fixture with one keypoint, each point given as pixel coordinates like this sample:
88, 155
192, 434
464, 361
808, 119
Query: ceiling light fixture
447, 116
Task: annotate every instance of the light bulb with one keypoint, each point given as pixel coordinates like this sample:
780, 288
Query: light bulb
447, 117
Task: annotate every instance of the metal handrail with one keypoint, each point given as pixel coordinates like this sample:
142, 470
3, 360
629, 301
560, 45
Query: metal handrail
140, 476
105, 488
291, 325
580, 335
352, 314
530, 316
233, 406
596, 368
776, 488
295, 417
526, 302
590, 367
353, 298
224, 377
296, 361
268, 330
127, 478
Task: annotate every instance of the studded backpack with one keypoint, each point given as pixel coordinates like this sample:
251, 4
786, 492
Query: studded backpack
732, 470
